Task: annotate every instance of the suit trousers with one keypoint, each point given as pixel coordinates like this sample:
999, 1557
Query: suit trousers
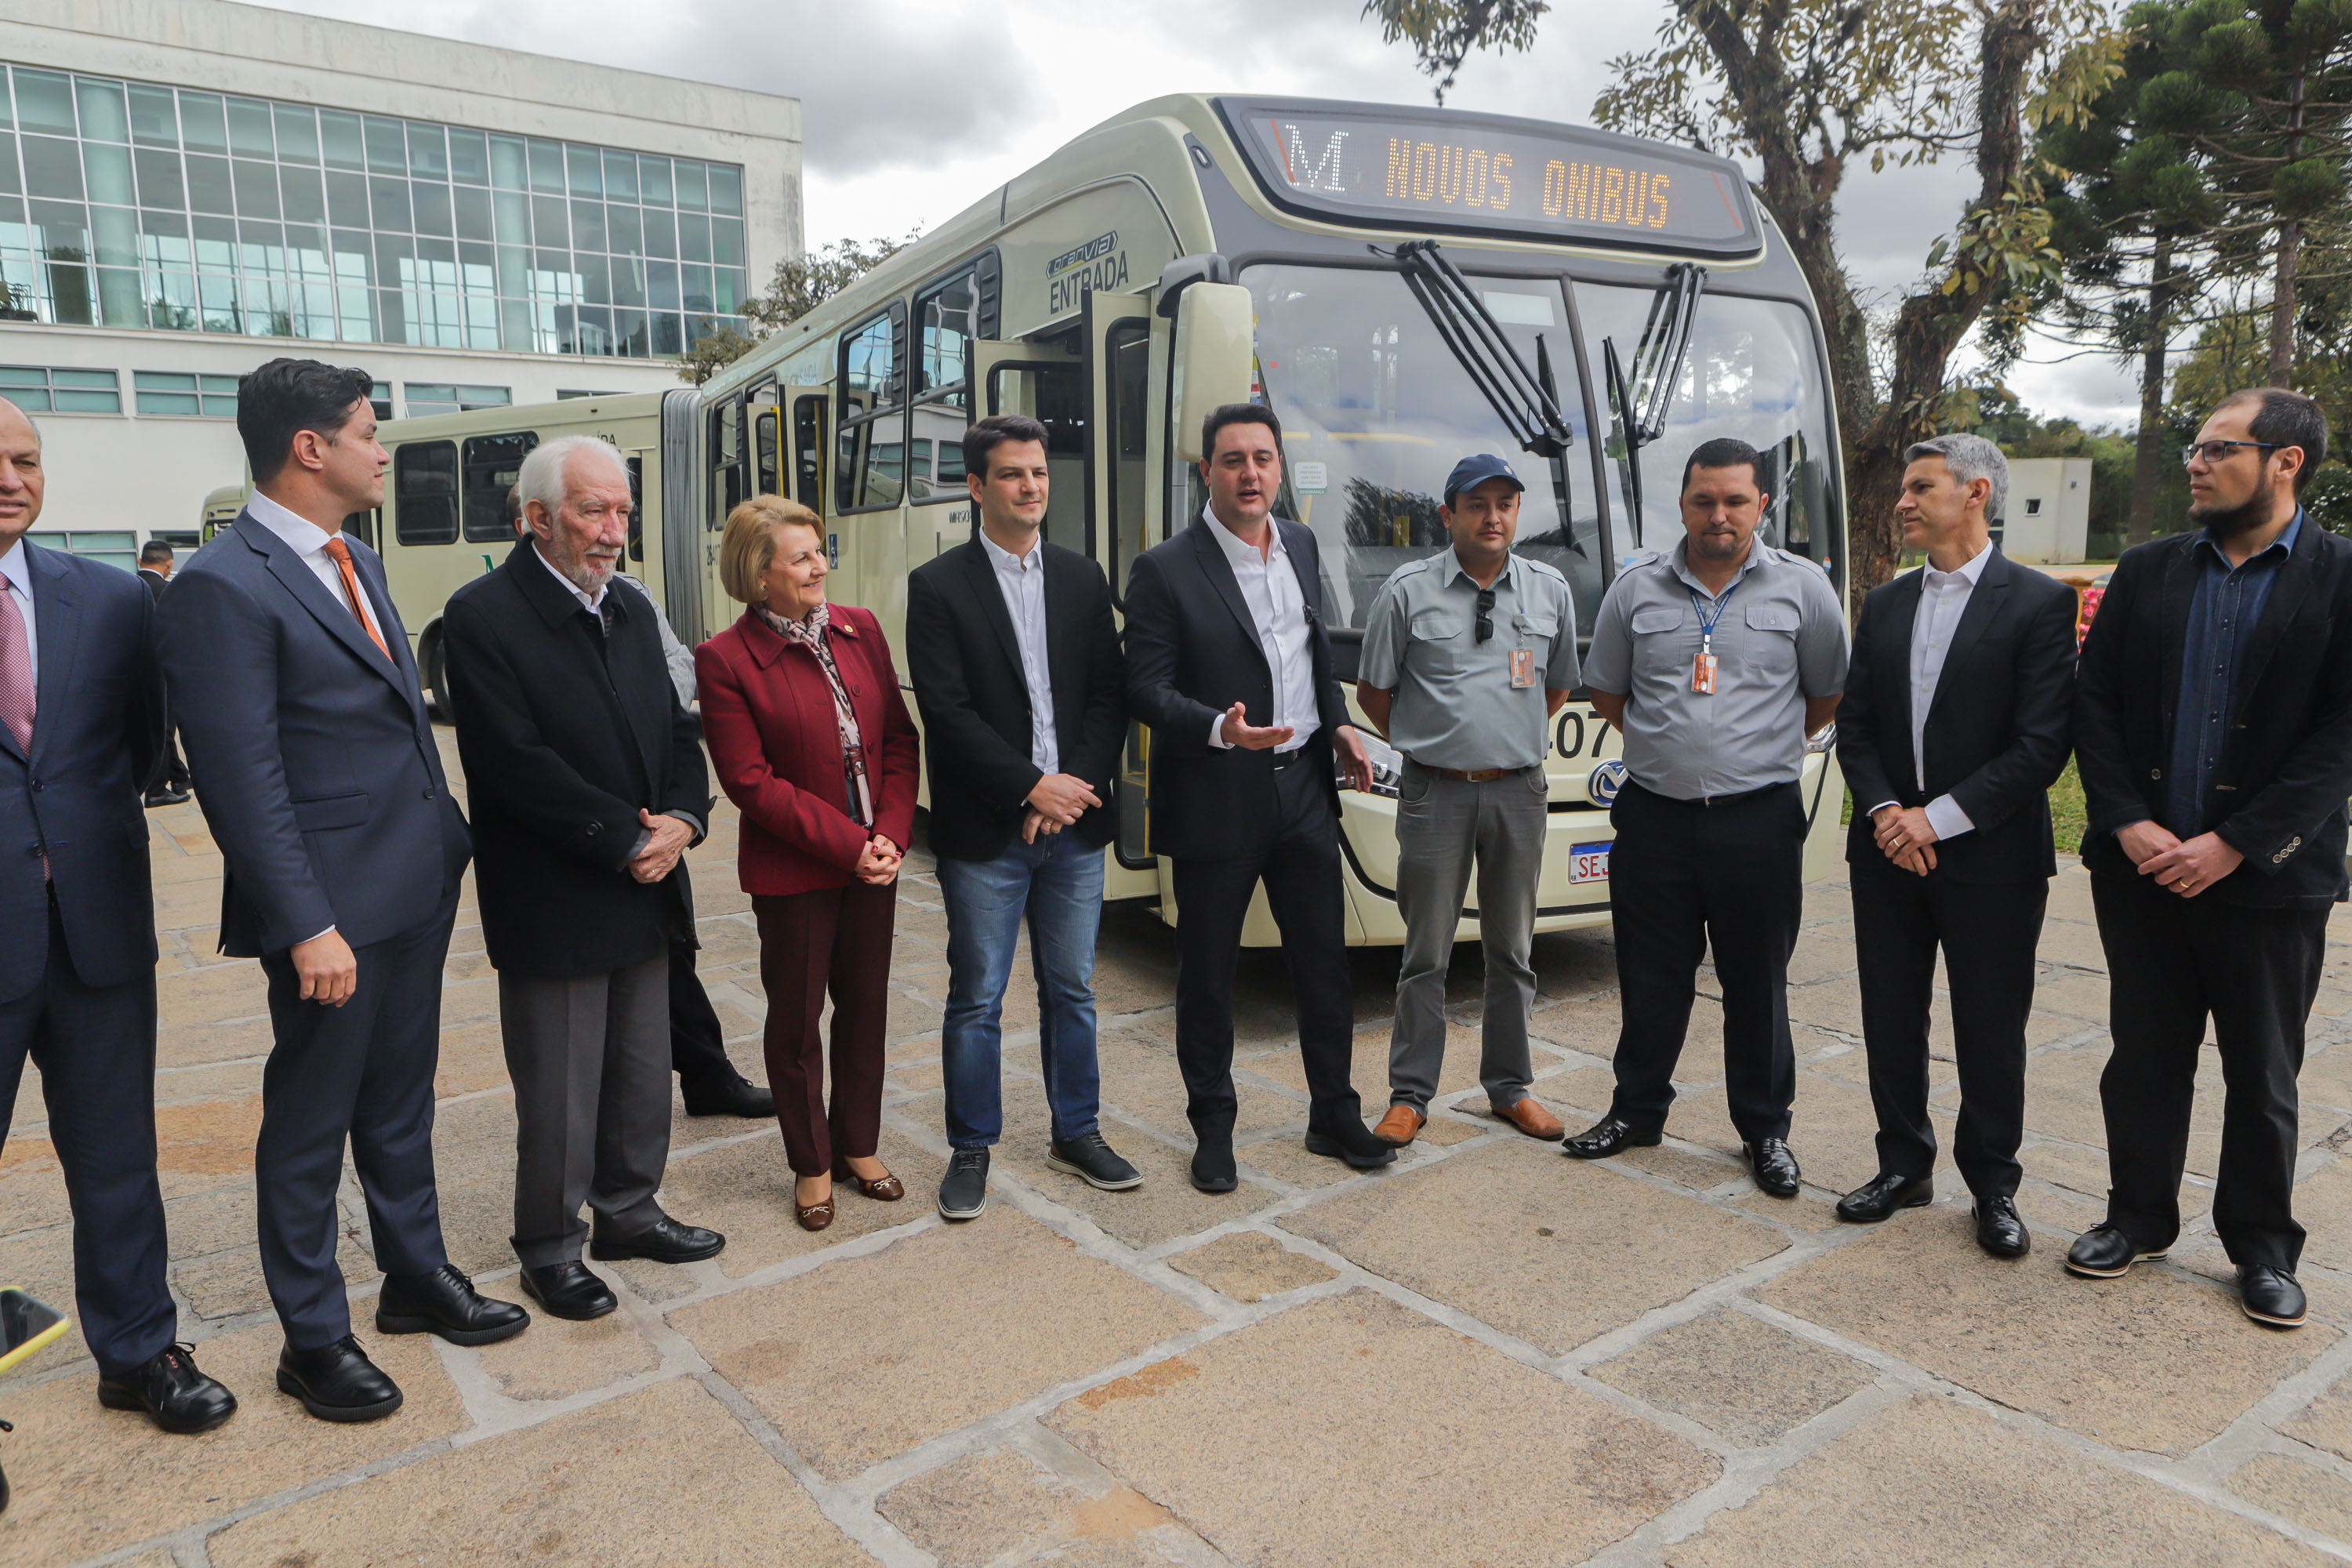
2172, 962
96, 1048
1445, 827
697, 1044
1301, 872
1989, 933
1685, 878
589, 1055
833, 940
363, 1070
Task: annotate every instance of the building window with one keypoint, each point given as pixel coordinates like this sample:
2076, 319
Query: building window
116, 547
2033, 506
170, 392
423, 398
130, 205
380, 399
563, 397
37, 389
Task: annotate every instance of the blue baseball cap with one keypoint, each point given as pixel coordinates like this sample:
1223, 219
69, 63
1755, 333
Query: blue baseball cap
1476, 469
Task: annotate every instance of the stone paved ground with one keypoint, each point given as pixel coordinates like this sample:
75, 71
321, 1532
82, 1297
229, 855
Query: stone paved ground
1487, 1354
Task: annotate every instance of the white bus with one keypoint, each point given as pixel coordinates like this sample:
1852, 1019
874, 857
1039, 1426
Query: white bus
1403, 285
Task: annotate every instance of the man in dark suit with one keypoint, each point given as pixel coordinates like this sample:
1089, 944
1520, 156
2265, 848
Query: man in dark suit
1017, 666
296, 692
155, 575
587, 782
1953, 726
81, 729
1230, 664
2213, 732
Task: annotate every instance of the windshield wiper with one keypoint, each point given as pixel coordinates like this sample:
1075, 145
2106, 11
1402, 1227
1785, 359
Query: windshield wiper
1658, 358
1526, 404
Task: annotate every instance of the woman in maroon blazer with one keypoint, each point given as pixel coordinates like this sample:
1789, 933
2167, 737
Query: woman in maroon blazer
811, 739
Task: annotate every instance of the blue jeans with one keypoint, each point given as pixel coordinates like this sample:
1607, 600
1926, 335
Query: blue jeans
1058, 883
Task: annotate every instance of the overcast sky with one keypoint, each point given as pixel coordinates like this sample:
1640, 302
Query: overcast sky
914, 108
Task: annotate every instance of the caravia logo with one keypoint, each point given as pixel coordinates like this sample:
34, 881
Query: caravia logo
1079, 271
1606, 780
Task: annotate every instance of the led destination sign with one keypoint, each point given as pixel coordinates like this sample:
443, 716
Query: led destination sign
1421, 170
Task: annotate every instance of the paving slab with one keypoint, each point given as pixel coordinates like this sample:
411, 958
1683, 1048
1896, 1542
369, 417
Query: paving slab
1557, 1252
2314, 1497
1250, 1266
1456, 1483
2327, 1421
1736, 1375
1001, 1509
555, 1358
664, 1478
869, 1356
2088, 1354
1991, 1496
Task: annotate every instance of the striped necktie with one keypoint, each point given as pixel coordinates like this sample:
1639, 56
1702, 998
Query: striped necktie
15, 669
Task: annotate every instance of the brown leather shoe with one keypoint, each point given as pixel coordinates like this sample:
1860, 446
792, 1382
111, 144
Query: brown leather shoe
886, 1188
813, 1217
1399, 1126
1534, 1120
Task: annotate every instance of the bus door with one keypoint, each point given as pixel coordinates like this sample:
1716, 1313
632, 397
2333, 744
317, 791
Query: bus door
802, 414
1049, 385
1117, 336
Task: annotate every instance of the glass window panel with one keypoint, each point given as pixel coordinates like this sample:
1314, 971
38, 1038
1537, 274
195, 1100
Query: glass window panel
305, 199
550, 224
428, 151
620, 175
52, 168
158, 178
472, 211
44, 101
661, 285
865, 360
8, 180
547, 167
508, 170
431, 248
515, 334
729, 290
297, 132
257, 188
625, 230
119, 299
202, 126
629, 334
469, 156
725, 189
102, 117
208, 185
593, 330
693, 237
258, 236
432, 207
158, 392
692, 191
114, 233
347, 200
726, 241
586, 170
387, 146
339, 138
424, 487
596, 278
697, 290
667, 339
587, 224
28, 387
629, 280
514, 271
388, 199
215, 243
107, 169
155, 117
86, 392
513, 209
165, 232
248, 129
661, 232
653, 180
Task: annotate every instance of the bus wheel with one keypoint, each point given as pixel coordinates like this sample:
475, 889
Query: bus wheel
437, 675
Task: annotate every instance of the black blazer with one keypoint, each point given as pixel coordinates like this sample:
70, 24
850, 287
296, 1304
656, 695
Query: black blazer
153, 582
564, 734
966, 668
1998, 728
1193, 652
2286, 768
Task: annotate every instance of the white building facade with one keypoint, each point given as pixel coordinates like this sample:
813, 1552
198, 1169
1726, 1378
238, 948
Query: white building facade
2049, 519
191, 187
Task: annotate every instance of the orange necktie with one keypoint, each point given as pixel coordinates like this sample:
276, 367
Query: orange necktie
343, 555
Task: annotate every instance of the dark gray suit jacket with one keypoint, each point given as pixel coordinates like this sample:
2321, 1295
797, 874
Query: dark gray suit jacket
313, 755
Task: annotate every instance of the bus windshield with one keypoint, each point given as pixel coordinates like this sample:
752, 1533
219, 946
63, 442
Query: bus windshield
1376, 411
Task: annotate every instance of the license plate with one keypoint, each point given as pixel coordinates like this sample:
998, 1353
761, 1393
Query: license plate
1588, 863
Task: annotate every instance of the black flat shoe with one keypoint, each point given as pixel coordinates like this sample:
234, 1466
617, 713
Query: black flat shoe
337, 1382
175, 1394
1775, 1167
734, 1096
2105, 1252
569, 1290
445, 1302
1349, 1139
2001, 1229
1093, 1161
1883, 1195
1213, 1166
2270, 1296
664, 1241
963, 1191
1610, 1135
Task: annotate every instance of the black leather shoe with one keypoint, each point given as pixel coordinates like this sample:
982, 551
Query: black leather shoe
337, 1382
569, 1290
1093, 1161
2270, 1296
2001, 1229
1346, 1138
1610, 1135
664, 1241
2104, 1252
165, 797
734, 1095
1883, 1195
1212, 1166
963, 1191
1775, 1167
173, 1393
445, 1302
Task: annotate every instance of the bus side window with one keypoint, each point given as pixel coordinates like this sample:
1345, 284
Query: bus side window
361, 526
947, 319
730, 475
871, 471
493, 464
1129, 346
767, 474
424, 492
808, 451
636, 510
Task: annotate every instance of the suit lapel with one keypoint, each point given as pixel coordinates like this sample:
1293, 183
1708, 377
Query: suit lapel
980, 570
2179, 587
1228, 586
1895, 675
328, 610
1985, 601
56, 626
2295, 575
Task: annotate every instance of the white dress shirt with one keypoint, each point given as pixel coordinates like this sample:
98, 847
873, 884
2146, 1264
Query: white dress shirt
16, 579
1270, 588
308, 539
595, 603
1943, 600
1021, 579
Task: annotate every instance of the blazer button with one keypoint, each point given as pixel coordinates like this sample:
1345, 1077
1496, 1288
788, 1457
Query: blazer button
594, 829
2156, 772
39, 786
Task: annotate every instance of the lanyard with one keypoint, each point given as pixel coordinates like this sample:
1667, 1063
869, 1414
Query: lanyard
1707, 622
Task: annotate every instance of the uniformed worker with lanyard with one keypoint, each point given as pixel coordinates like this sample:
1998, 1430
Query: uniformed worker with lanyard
1466, 656
1715, 659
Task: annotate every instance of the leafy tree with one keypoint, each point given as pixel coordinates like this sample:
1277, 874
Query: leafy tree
798, 286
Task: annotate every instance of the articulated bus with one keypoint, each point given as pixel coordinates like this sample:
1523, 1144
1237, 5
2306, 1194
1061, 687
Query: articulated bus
1403, 285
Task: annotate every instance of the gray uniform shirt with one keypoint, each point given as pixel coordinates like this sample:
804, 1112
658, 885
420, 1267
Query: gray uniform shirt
1779, 639
1455, 706
676, 657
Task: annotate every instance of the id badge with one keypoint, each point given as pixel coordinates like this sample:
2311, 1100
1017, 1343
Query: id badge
1523, 668
1703, 675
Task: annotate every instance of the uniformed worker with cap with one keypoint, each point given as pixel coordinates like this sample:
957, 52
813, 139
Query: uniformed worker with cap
1466, 656
1715, 659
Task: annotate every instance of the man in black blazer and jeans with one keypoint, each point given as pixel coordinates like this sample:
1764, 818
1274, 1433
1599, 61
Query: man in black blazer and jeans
1015, 661
2213, 731
1229, 662
1953, 726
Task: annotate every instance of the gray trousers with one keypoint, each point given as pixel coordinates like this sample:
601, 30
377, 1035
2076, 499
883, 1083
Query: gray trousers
1444, 824
590, 1059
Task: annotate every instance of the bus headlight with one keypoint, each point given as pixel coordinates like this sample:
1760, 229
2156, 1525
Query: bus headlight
1387, 764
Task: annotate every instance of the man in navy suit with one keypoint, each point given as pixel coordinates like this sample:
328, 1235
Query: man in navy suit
81, 732
297, 695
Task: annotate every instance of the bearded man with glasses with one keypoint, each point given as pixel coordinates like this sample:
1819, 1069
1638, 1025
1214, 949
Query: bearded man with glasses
2213, 732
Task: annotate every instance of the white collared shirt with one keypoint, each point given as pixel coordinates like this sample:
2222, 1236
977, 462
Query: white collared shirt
1021, 579
595, 603
16, 579
1278, 606
1943, 600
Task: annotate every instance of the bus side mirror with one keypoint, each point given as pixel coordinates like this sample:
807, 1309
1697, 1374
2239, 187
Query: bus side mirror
1215, 357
